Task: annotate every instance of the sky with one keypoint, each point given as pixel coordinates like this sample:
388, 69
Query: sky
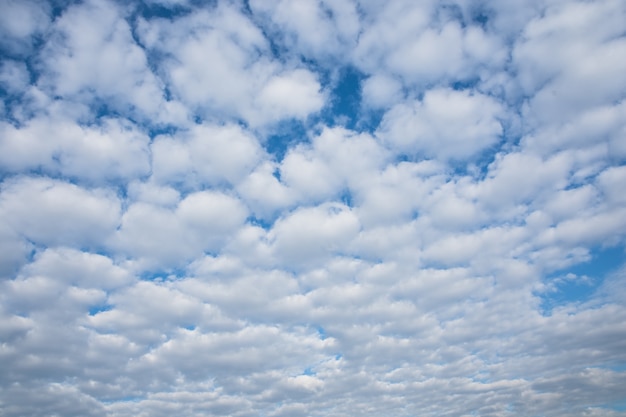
326, 208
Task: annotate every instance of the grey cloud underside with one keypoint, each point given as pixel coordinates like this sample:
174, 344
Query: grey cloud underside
158, 258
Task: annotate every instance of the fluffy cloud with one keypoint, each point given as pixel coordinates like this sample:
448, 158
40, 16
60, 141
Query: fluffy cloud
294, 94
112, 150
202, 221
321, 29
381, 91
206, 154
210, 57
309, 233
445, 124
49, 212
335, 160
193, 222
92, 56
427, 43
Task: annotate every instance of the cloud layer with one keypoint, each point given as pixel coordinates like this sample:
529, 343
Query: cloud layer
312, 208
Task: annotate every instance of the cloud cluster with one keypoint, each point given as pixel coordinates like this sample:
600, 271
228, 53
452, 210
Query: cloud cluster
191, 223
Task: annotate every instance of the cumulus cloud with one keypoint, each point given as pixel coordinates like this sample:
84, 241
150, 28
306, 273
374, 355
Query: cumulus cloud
92, 56
309, 233
114, 149
444, 124
195, 222
381, 91
219, 63
205, 155
294, 94
202, 221
427, 43
52, 212
321, 29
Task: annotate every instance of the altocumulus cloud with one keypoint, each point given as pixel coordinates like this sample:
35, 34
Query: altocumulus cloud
312, 208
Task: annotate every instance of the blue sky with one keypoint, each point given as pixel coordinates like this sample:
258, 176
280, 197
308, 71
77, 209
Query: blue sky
312, 208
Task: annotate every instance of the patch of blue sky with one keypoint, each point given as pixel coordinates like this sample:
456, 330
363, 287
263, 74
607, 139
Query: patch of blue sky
36, 171
265, 223
620, 367
126, 399
346, 197
163, 11
345, 103
480, 17
58, 7
163, 274
166, 129
465, 84
321, 332
284, 136
619, 406
93, 310
579, 282
477, 166
105, 108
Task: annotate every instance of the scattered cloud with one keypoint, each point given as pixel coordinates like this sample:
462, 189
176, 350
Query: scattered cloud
191, 223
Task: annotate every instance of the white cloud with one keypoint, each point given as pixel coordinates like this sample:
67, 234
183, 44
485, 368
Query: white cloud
91, 55
153, 194
397, 192
433, 53
294, 94
49, 212
404, 40
392, 25
185, 229
381, 91
336, 159
445, 124
70, 266
15, 251
610, 181
205, 154
309, 234
166, 237
114, 149
263, 192
303, 171
322, 29
600, 126
221, 65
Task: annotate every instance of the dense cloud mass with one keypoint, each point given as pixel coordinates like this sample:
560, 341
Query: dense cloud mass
312, 208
